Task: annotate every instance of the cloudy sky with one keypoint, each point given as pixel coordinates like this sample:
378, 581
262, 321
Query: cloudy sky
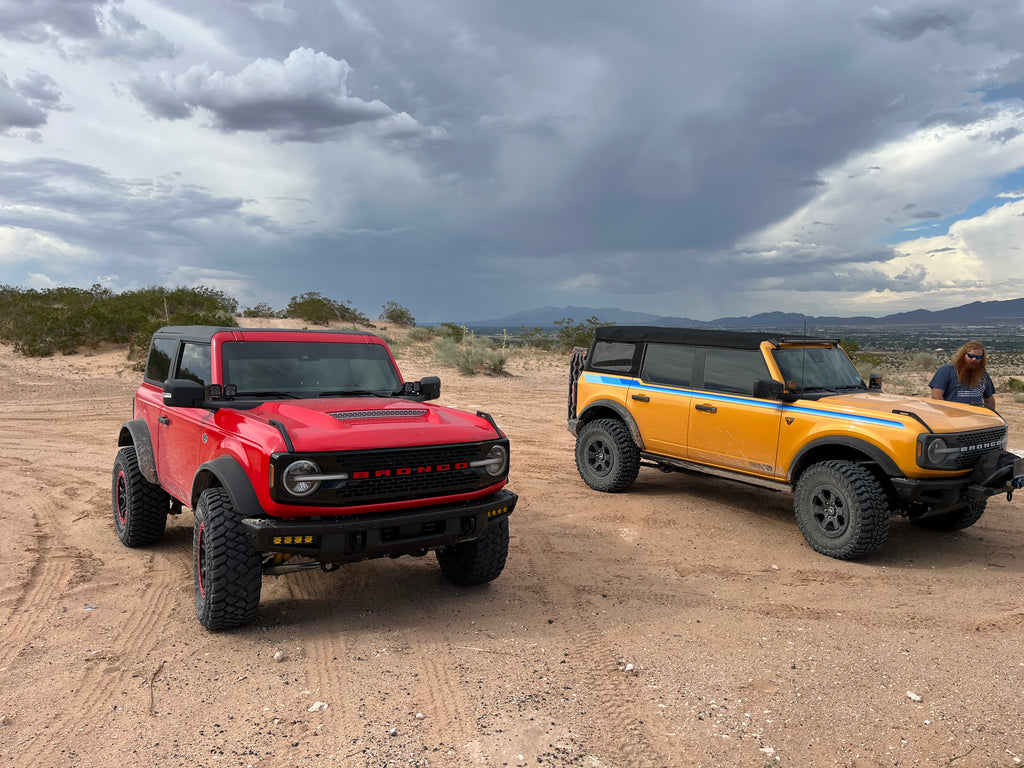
468, 159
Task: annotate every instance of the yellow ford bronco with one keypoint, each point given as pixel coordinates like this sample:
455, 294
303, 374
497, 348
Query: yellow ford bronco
789, 414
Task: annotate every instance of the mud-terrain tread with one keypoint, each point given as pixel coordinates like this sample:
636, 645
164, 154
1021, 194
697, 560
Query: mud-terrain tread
140, 507
858, 489
477, 561
957, 520
611, 440
228, 582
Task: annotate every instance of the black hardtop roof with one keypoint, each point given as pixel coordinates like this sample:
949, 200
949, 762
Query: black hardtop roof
696, 336
205, 333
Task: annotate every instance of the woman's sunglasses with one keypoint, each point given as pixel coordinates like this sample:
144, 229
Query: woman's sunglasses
974, 357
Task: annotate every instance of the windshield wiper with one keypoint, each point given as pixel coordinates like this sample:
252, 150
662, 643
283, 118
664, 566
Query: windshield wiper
352, 393
267, 393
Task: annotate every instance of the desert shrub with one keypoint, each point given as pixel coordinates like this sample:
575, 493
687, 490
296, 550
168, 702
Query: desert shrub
417, 335
469, 358
494, 362
535, 338
40, 323
313, 307
393, 312
571, 334
1014, 384
452, 331
922, 361
260, 310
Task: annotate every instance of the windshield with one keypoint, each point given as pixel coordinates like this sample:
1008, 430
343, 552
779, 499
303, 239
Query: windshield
308, 368
808, 368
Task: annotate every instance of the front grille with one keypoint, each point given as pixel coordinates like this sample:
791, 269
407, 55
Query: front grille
401, 474
973, 445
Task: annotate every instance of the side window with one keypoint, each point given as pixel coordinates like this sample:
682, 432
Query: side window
670, 364
613, 356
734, 370
158, 366
195, 363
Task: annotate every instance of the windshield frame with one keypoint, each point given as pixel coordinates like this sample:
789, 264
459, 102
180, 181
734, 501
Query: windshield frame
816, 368
308, 368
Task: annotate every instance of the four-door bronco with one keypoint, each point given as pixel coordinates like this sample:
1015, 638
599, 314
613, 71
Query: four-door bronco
304, 449
788, 414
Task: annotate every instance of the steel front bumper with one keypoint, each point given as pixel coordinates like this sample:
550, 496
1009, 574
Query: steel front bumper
361, 537
945, 495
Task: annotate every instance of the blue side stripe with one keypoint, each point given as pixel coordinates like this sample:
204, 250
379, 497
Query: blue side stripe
624, 382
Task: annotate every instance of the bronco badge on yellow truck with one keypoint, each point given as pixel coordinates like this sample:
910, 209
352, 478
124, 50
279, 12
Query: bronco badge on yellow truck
789, 414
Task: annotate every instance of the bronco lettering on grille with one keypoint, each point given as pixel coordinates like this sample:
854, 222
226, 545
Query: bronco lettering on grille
404, 471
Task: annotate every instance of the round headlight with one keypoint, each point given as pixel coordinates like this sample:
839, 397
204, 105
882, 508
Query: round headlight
936, 451
497, 461
297, 478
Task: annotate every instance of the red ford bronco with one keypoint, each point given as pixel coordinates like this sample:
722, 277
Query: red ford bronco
304, 449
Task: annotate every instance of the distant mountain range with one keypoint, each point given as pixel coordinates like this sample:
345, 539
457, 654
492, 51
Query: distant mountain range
985, 313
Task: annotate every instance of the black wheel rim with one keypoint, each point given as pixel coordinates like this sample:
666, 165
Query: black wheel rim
122, 499
200, 558
829, 511
599, 456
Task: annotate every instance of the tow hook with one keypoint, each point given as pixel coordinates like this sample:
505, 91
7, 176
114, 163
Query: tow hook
1015, 484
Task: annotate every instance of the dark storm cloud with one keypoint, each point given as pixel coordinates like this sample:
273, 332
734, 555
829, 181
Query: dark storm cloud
82, 204
303, 98
16, 111
82, 28
850, 280
911, 20
572, 150
40, 89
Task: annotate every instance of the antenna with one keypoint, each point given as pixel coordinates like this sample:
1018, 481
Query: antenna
803, 361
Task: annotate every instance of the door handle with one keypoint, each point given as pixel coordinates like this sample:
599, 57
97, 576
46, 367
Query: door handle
163, 420
706, 408
641, 398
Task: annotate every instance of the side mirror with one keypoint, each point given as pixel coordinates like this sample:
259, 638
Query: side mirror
875, 381
184, 393
768, 389
427, 388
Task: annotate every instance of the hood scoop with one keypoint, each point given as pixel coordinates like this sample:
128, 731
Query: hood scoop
379, 416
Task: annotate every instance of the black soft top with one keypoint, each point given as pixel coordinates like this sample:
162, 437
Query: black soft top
694, 336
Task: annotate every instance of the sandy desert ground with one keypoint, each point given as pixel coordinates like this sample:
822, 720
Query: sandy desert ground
685, 623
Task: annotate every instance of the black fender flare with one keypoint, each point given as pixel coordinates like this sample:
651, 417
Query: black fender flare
874, 453
225, 472
591, 413
136, 433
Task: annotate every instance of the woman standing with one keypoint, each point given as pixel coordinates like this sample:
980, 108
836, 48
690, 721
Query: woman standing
965, 379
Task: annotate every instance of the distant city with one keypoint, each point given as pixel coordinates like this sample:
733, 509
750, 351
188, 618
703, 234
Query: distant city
998, 324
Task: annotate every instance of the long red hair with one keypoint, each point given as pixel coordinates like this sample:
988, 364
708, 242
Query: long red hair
967, 374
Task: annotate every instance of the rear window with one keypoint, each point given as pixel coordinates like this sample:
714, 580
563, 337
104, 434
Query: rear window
613, 356
670, 364
158, 366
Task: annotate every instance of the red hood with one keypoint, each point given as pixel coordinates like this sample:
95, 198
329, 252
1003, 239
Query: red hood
360, 423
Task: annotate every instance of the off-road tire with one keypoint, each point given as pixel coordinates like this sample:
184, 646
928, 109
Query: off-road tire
140, 507
606, 457
477, 561
841, 509
956, 520
226, 571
